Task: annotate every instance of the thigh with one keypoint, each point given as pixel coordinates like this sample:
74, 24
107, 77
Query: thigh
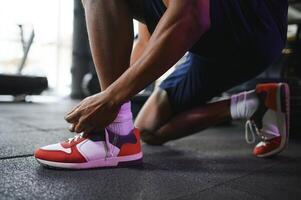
205, 79
181, 69
157, 110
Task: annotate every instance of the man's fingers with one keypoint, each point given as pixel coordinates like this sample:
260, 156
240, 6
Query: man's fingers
78, 128
72, 128
73, 117
72, 112
88, 130
74, 108
82, 127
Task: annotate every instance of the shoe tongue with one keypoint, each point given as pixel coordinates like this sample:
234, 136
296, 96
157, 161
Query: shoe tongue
96, 136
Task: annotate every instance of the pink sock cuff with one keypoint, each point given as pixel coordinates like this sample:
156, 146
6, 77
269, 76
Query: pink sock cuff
125, 107
125, 113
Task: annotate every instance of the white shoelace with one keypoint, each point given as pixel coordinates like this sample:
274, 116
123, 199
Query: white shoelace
110, 147
75, 138
251, 132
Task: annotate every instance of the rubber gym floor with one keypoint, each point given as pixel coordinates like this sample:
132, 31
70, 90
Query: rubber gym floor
213, 164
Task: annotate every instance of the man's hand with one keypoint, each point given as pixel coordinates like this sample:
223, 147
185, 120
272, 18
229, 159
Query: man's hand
92, 114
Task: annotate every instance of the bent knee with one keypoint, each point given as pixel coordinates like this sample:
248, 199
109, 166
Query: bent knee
155, 112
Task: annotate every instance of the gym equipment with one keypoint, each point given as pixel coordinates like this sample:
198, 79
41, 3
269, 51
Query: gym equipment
82, 62
20, 85
292, 59
90, 84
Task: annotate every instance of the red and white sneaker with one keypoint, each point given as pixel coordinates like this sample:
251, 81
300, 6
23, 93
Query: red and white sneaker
271, 119
86, 151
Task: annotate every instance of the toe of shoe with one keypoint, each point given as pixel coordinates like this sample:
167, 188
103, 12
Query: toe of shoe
259, 151
265, 151
270, 148
40, 154
54, 156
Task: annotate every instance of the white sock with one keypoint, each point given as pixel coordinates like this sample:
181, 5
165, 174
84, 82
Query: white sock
243, 105
123, 124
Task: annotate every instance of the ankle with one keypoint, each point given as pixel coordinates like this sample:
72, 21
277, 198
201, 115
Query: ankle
123, 124
244, 104
125, 113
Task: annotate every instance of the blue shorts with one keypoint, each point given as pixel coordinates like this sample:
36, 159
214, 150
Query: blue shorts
197, 80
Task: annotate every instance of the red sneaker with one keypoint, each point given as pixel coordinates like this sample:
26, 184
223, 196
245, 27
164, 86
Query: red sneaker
268, 147
93, 151
271, 119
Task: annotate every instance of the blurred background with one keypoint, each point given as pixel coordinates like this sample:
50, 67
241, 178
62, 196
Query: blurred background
51, 49
50, 53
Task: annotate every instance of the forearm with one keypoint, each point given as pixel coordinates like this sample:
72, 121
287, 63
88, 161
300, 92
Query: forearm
137, 51
174, 35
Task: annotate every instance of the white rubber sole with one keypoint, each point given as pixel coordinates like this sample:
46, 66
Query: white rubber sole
120, 161
283, 125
